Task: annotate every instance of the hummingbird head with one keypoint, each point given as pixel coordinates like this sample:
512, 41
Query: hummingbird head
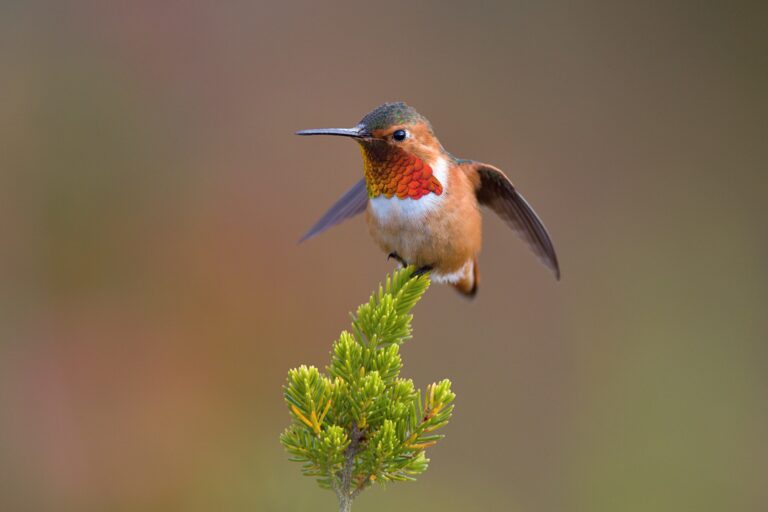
398, 148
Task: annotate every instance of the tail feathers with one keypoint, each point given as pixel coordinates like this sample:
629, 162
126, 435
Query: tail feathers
467, 285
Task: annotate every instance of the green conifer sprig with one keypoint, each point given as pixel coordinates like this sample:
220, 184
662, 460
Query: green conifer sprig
361, 423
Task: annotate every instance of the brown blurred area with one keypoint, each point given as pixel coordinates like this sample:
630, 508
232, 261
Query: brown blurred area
153, 295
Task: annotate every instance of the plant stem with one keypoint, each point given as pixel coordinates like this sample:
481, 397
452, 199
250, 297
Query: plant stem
344, 492
345, 504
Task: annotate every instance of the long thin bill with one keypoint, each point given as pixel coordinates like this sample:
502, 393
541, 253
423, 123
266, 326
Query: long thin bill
340, 132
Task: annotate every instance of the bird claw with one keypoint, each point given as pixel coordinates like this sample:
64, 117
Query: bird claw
397, 258
422, 270
416, 273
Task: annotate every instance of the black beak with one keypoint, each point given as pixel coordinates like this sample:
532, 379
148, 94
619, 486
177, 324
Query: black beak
358, 132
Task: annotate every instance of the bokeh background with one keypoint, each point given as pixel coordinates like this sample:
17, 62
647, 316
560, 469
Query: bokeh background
153, 295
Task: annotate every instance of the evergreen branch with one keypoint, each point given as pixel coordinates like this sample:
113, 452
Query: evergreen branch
362, 423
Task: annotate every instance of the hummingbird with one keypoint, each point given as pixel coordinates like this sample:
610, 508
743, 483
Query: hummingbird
422, 204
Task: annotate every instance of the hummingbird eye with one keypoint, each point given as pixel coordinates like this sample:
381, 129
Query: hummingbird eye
399, 135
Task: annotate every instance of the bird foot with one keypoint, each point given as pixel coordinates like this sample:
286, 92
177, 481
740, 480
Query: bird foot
397, 258
422, 270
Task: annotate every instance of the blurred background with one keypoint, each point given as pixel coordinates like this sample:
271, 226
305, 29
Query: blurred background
154, 296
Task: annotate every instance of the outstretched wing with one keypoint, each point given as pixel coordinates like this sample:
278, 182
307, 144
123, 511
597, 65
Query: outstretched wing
498, 193
349, 205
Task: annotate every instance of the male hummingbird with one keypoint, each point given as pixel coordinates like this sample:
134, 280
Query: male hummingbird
422, 203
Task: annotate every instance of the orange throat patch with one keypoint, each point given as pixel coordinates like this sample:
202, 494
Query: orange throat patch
395, 173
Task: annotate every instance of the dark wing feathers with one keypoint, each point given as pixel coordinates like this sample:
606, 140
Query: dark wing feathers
349, 205
498, 193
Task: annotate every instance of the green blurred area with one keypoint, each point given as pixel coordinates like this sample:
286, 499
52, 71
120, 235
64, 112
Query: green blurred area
154, 296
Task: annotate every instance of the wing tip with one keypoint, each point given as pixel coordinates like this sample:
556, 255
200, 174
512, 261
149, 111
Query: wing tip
306, 236
549, 258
